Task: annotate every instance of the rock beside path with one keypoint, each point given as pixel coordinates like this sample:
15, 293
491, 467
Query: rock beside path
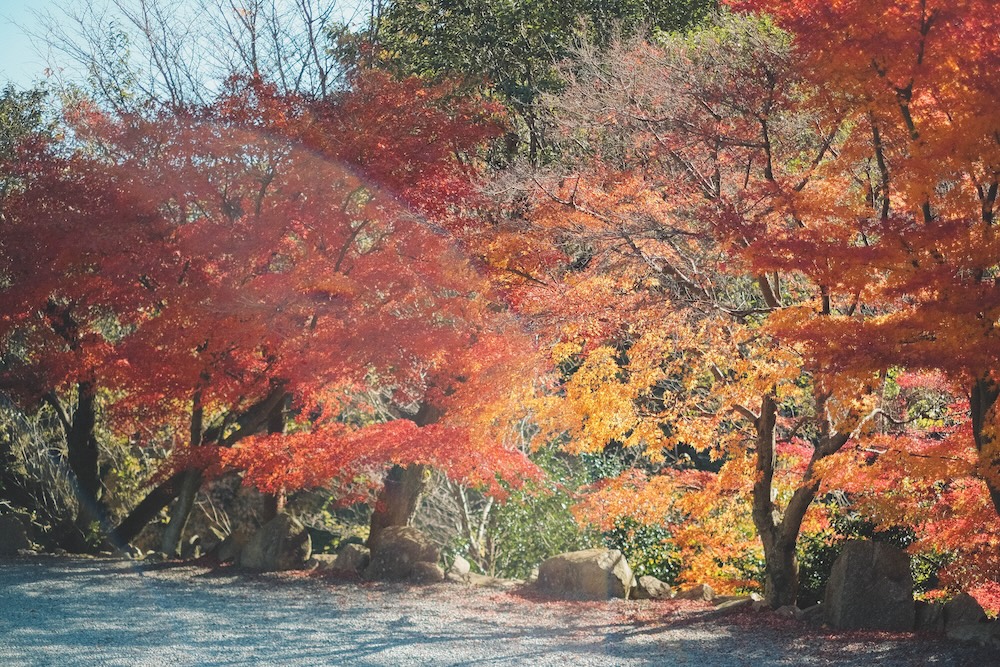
280, 544
398, 550
651, 588
352, 559
870, 587
697, 592
591, 574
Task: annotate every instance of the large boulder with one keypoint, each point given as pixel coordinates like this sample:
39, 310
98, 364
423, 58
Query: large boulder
965, 620
870, 586
929, 616
281, 544
228, 551
352, 559
592, 574
963, 609
13, 535
397, 550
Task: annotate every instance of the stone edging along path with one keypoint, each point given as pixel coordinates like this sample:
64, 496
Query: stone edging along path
67, 611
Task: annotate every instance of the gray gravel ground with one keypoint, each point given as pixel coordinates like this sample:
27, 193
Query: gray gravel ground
61, 611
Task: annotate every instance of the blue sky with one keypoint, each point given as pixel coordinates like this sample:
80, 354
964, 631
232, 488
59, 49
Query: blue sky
19, 62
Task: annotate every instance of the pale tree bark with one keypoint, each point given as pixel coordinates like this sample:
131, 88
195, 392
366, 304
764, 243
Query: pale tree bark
399, 499
190, 484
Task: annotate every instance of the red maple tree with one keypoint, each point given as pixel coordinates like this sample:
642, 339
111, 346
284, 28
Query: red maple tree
236, 268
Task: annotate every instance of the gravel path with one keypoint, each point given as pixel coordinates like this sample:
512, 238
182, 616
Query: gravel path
59, 611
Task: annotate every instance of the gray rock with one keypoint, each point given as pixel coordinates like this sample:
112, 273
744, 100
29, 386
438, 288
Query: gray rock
929, 616
456, 578
870, 587
963, 609
965, 620
814, 615
427, 573
474, 580
483, 581
697, 592
788, 611
733, 603
352, 559
592, 574
281, 544
229, 549
651, 588
984, 634
460, 566
398, 549
13, 535
324, 562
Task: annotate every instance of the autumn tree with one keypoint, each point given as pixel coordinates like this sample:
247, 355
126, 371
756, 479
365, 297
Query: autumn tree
897, 237
262, 254
671, 150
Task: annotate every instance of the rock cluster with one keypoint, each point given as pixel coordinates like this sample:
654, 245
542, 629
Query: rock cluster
403, 552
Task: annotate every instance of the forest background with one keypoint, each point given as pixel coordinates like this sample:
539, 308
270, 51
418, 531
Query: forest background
714, 285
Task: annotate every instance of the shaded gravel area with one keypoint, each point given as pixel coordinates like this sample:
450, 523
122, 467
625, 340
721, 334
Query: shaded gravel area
62, 611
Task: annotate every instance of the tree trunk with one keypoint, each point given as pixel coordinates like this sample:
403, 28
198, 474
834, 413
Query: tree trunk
181, 512
249, 422
82, 457
779, 532
274, 503
984, 396
780, 569
190, 484
399, 498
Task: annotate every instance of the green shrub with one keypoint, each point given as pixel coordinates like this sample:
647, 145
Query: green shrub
536, 523
647, 549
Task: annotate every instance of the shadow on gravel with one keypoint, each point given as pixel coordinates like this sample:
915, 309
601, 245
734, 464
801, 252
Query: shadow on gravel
100, 612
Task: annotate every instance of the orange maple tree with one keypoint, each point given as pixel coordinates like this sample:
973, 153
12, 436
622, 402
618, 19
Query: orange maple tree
897, 231
674, 153
896, 236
